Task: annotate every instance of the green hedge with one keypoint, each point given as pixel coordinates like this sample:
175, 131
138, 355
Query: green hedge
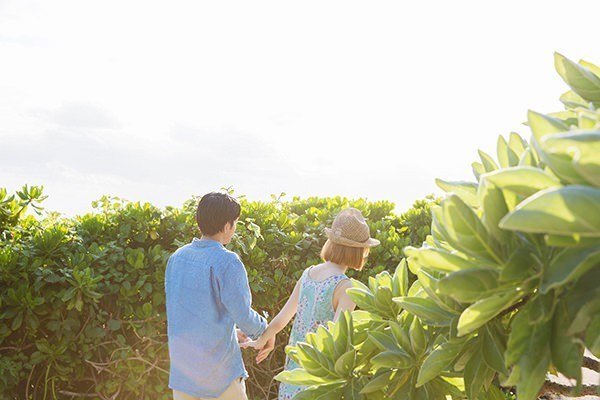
82, 305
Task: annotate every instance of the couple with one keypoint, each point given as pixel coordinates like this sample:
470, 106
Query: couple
209, 304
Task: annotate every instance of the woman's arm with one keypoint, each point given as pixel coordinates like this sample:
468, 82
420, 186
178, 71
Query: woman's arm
341, 300
281, 319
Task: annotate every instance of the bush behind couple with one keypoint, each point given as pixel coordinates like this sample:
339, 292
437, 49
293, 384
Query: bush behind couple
209, 304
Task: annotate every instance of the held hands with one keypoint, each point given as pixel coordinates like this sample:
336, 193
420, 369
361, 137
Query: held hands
243, 340
263, 344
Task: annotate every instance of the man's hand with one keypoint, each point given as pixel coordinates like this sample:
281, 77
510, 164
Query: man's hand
266, 350
242, 338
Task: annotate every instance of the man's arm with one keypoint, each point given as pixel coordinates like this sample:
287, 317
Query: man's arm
237, 299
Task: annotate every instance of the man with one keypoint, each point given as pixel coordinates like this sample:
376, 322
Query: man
207, 296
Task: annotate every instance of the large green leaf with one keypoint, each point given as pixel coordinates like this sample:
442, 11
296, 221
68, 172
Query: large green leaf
573, 100
541, 307
429, 281
517, 144
426, 309
313, 361
564, 211
392, 359
534, 363
328, 391
568, 241
300, 377
385, 341
583, 301
341, 334
592, 336
478, 375
418, 337
567, 351
345, 363
439, 260
542, 125
568, 117
484, 310
400, 279
494, 393
352, 389
592, 67
561, 164
401, 335
506, 156
533, 369
583, 147
523, 181
528, 354
488, 162
585, 314
494, 207
467, 191
518, 339
470, 285
438, 228
583, 81
438, 361
569, 265
493, 348
383, 300
379, 382
465, 230
363, 298
521, 265
478, 169
586, 119
528, 159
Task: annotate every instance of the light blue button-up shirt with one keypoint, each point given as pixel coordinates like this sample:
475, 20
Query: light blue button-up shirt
207, 295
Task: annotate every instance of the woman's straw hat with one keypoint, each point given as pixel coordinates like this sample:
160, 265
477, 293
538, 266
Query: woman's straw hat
350, 229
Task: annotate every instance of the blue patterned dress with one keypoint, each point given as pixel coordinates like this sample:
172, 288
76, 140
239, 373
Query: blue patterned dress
315, 308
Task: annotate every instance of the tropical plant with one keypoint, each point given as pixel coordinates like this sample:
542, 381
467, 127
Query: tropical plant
508, 282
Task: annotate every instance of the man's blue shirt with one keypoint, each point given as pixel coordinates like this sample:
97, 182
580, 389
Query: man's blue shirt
207, 295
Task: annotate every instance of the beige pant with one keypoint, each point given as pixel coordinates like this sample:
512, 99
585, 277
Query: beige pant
235, 391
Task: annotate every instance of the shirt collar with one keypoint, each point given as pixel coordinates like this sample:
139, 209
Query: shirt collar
205, 243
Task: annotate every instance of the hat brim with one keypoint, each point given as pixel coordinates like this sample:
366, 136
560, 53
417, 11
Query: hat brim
370, 242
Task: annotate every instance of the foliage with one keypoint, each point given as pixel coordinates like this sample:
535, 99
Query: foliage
508, 282
82, 310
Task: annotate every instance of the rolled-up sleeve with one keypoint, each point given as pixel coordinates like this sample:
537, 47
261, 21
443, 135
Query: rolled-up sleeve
237, 299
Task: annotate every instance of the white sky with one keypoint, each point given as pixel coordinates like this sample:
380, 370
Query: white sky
159, 101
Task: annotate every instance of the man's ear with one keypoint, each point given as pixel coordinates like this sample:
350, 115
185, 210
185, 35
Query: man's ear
227, 226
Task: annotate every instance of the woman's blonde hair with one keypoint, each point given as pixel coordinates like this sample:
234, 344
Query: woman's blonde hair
351, 257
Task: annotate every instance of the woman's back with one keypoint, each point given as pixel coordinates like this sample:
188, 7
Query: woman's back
315, 308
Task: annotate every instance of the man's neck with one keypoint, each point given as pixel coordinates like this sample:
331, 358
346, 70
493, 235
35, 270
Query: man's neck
217, 238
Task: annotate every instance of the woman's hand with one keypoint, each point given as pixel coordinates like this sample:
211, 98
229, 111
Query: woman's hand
257, 344
264, 346
265, 350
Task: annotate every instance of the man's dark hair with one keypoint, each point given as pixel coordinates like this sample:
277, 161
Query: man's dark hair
215, 210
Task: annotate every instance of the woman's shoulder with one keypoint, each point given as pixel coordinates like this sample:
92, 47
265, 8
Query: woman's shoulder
321, 274
306, 272
343, 283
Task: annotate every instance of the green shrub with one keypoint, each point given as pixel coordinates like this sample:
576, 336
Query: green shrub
508, 282
82, 305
